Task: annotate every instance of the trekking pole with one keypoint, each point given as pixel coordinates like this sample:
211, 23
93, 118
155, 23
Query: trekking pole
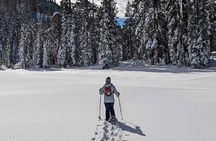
99, 117
120, 108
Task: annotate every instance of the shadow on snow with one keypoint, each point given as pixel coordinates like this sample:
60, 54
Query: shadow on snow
126, 127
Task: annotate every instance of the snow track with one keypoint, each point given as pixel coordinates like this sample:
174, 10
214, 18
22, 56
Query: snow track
106, 131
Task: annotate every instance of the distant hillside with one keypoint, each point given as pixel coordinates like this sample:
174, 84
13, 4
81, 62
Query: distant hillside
42, 6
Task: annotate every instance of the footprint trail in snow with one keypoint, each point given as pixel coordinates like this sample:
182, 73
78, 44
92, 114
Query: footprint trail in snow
106, 131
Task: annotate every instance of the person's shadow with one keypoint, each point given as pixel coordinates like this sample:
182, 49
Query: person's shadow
136, 129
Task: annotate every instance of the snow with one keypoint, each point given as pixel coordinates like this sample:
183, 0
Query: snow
121, 5
158, 103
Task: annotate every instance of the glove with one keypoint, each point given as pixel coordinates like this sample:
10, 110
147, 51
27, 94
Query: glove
118, 94
100, 91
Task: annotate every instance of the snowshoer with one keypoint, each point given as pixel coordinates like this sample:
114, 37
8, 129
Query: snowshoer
108, 90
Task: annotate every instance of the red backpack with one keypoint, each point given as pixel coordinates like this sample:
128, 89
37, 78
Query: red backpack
108, 91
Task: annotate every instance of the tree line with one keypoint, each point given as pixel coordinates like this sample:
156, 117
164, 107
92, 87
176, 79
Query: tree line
178, 32
42, 34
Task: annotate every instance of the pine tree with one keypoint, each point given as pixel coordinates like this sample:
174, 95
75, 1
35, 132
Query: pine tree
65, 36
94, 20
22, 48
42, 45
199, 40
185, 15
127, 49
127, 34
10, 42
38, 46
45, 54
16, 37
128, 9
131, 26
175, 45
4, 29
148, 26
143, 23
54, 37
72, 40
212, 11
85, 36
109, 35
26, 45
1, 34
159, 40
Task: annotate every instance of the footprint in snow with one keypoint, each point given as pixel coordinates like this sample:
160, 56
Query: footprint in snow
106, 131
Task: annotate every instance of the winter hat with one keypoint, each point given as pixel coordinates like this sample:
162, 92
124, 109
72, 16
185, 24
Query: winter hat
108, 80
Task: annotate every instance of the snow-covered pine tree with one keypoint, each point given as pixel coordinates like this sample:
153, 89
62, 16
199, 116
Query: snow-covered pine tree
184, 29
26, 44
16, 38
25, 35
11, 41
145, 17
149, 26
38, 46
131, 32
77, 19
4, 36
118, 51
0, 55
72, 46
85, 36
7, 53
45, 53
65, 34
130, 40
199, 33
175, 32
127, 49
22, 60
157, 34
94, 23
1, 33
127, 34
212, 11
54, 37
129, 10
21, 13
42, 44
108, 35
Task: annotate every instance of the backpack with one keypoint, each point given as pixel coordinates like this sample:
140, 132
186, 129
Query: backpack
108, 90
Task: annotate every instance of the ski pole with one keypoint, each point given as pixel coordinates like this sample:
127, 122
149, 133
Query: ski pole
99, 117
120, 108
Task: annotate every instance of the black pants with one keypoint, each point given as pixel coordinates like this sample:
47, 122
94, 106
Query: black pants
109, 110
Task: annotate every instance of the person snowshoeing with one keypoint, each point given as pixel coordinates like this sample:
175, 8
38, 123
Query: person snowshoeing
108, 90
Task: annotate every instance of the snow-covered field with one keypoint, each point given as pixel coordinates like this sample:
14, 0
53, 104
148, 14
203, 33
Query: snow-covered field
157, 104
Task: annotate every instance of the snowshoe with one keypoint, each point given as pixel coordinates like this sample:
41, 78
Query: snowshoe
113, 120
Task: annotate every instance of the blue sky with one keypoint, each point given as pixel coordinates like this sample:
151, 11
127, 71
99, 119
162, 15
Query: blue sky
121, 21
